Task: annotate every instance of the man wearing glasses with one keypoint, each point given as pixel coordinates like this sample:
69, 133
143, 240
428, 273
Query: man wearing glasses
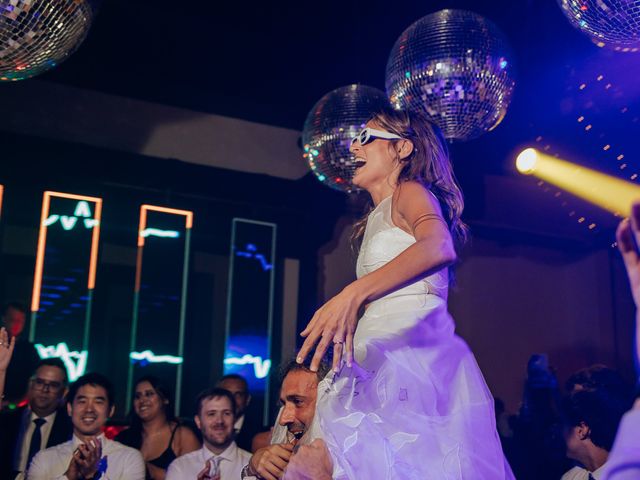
40, 424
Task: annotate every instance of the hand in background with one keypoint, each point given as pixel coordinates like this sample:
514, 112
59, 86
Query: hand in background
6, 348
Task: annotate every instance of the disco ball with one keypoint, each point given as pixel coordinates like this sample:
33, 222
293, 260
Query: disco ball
457, 68
331, 125
609, 23
36, 35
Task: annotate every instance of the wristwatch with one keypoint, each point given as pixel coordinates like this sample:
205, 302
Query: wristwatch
247, 472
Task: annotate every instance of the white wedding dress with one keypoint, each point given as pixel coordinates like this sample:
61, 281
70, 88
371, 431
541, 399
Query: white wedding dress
414, 405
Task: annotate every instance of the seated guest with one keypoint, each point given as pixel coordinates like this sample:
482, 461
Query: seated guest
591, 420
25, 357
298, 395
219, 458
624, 460
154, 430
89, 454
42, 423
247, 425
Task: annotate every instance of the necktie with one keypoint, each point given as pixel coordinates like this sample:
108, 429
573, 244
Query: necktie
36, 440
216, 467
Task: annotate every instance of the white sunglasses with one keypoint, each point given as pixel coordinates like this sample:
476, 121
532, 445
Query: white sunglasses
370, 134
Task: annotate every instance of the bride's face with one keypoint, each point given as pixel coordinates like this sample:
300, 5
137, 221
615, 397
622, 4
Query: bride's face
376, 162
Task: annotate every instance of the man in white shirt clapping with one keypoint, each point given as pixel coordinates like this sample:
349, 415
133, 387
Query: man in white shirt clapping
219, 458
89, 455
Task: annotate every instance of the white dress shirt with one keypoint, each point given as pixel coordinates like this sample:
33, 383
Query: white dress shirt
579, 473
120, 462
26, 432
231, 462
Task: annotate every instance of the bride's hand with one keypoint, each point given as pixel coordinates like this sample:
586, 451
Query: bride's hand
334, 323
6, 348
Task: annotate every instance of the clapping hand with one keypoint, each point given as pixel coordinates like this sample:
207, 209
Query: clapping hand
85, 461
628, 237
6, 348
334, 323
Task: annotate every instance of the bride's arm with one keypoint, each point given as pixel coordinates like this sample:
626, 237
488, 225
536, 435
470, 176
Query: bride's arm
418, 213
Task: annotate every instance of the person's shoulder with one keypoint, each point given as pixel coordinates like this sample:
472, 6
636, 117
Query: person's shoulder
572, 474
63, 448
244, 455
188, 457
412, 194
122, 449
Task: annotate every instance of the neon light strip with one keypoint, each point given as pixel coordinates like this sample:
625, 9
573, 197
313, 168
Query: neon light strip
143, 232
42, 240
75, 362
149, 356
1, 195
261, 367
265, 411
156, 232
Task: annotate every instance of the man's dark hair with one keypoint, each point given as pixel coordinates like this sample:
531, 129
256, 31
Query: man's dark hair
95, 380
234, 376
15, 305
53, 362
292, 366
599, 410
598, 377
213, 393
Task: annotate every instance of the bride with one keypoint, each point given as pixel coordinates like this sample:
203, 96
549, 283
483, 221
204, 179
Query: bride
405, 398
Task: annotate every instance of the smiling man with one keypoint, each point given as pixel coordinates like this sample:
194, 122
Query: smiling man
89, 454
298, 395
219, 458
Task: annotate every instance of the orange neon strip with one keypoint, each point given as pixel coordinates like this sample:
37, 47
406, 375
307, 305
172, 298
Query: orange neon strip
42, 240
1, 195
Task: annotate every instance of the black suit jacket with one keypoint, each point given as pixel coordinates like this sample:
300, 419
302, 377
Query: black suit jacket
10, 426
250, 427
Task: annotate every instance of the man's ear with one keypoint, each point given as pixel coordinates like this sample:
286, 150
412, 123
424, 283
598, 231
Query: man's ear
583, 431
112, 410
69, 409
196, 418
248, 399
404, 148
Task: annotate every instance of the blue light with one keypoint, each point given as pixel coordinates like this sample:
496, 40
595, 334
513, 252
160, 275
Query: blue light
503, 64
250, 253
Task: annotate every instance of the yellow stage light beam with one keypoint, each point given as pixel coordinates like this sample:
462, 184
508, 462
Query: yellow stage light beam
606, 191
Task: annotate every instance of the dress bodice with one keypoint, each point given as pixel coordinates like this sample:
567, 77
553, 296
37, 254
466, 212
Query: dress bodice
383, 241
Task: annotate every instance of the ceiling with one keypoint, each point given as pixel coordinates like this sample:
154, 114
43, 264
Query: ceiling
270, 62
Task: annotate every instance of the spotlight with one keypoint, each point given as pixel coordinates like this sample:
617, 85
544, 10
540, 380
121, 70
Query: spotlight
606, 191
527, 160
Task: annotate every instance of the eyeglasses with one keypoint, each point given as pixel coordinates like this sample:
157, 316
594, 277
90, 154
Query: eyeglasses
370, 134
40, 384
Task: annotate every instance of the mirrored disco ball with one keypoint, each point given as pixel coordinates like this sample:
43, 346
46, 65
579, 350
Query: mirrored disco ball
36, 35
610, 23
455, 66
331, 125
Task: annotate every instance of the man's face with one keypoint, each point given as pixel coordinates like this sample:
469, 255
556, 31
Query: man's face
46, 389
14, 321
89, 410
298, 399
215, 420
238, 389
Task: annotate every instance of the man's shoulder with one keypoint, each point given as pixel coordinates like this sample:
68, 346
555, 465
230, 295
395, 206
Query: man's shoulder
65, 448
191, 457
122, 449
244, 455
573, 474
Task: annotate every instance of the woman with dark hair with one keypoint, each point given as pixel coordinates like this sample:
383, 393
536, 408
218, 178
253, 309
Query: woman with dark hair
154, 429
409, 402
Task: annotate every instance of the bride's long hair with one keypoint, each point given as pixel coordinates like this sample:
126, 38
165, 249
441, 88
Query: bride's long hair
428, 165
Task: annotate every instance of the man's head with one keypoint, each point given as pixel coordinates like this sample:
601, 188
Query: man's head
239, 388
591, 420
47, 386
14, 317
215, 416
298, 395
90, 404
